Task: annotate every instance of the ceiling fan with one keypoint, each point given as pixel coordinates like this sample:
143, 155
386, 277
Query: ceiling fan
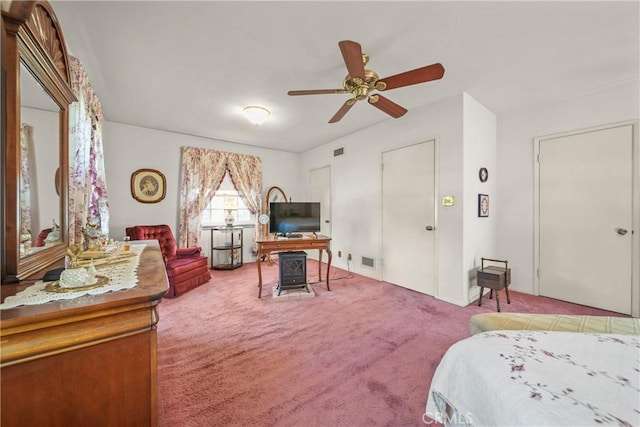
360, 82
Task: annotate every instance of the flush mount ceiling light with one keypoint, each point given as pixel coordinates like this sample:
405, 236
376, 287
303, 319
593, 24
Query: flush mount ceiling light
256, 115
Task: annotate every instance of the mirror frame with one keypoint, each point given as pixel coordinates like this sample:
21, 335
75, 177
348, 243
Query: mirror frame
32, 35
270, 193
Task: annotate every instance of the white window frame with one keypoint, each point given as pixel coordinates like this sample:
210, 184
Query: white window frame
214, 214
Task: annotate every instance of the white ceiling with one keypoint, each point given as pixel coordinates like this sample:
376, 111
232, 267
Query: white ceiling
190, 67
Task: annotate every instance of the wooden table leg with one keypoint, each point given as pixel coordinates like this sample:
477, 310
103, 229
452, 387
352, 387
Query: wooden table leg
328, 266
259, 274
319, 265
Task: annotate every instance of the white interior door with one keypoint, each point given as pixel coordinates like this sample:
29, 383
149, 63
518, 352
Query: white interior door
320, 191
585, 218
408, 217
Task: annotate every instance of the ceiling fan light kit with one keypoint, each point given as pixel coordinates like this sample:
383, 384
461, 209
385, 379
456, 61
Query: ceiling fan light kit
360, 82
256, 115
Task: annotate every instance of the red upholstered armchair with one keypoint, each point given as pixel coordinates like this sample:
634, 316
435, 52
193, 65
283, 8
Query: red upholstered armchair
187, 268
42, 237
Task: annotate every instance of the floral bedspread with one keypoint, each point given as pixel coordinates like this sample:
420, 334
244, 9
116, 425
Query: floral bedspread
538, 378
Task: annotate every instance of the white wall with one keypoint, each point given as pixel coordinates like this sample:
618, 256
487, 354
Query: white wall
129, 148
356, 180
464, 132
479, 234
515, 163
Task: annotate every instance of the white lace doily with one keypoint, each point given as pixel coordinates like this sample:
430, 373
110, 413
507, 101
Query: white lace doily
122, 275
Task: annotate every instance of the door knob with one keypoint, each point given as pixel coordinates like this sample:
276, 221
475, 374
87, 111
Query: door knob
429, 228
621, 231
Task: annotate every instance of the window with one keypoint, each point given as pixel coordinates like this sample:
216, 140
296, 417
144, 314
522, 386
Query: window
215, 213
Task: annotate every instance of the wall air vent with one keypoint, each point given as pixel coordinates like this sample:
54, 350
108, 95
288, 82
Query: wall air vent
338, 152
368, 262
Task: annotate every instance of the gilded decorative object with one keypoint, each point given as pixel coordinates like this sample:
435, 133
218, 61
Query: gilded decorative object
109, 259
74, 251
58, 288
92, 254
74, 276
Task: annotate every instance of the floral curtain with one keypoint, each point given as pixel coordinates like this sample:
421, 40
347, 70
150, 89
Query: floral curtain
202, 174
246, 174
26, 136
88, 201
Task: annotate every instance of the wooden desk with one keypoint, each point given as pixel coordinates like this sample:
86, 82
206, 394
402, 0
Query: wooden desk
85, 361
270, 243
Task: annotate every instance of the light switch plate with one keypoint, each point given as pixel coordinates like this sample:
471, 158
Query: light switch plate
448, 200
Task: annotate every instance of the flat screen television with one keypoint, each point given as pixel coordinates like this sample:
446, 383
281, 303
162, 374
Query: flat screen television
294, 217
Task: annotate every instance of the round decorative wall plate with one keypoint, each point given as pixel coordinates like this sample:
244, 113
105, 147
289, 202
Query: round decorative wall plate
148, 186
263, 219
483, 174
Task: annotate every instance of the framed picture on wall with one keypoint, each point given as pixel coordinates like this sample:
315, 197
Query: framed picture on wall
148, 185
483, 205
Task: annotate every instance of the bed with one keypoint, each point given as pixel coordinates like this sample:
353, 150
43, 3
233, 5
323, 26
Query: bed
538, 378
485, 322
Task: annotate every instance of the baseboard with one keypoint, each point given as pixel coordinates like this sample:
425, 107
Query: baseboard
454, 302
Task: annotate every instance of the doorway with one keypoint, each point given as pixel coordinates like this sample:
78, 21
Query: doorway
320, 191
408, 217
585, 217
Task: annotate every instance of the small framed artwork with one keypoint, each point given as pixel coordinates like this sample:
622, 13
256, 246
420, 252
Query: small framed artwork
483, 205
148, 185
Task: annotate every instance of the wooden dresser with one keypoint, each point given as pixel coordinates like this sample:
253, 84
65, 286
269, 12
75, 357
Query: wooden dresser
89, 361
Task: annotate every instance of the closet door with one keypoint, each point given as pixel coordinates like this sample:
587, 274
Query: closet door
320, 191
408, 217
585, 218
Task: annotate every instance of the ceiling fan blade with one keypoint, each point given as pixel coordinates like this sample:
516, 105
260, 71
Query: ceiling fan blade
408, 78
352, 54
342, 111
315, 92
388, 106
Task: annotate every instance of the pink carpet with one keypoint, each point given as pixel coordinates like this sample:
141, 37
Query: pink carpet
360, 355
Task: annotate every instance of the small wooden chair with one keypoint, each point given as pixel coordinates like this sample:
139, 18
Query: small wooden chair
494, 278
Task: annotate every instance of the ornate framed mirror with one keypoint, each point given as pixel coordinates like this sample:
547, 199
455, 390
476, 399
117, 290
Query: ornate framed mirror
37, 93
274, 194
